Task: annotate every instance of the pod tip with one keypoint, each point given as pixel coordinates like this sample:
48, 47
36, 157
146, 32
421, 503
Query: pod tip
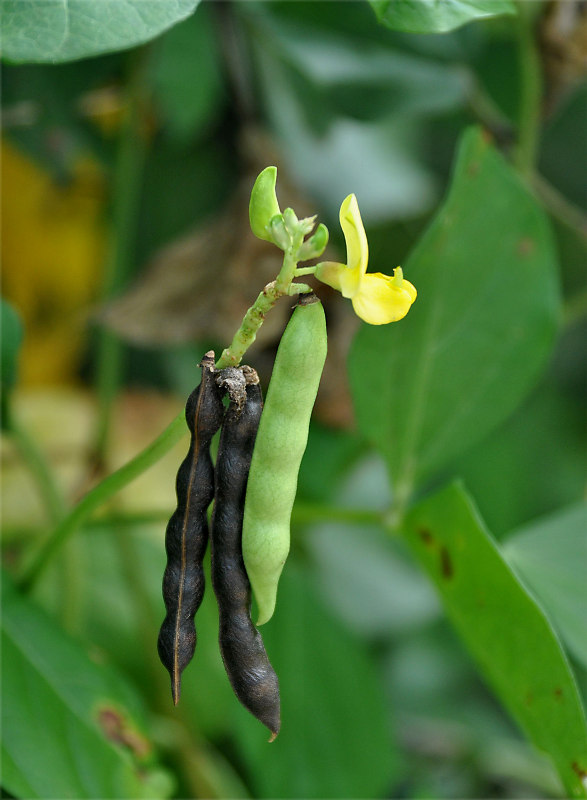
208, 359
265, 611
176, 690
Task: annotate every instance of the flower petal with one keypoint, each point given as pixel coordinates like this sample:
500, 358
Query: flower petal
357, 248
380, 301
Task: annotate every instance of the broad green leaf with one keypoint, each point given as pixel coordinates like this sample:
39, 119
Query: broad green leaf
532, 465
52, 31
188, 106
70, 727
471, 347
436, 16
551, 555
503, 627
334, 740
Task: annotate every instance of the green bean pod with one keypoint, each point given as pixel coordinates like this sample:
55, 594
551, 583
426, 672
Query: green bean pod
279, 447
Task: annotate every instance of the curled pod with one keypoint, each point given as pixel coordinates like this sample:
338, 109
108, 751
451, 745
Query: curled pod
250, 673
186, 536
279, 447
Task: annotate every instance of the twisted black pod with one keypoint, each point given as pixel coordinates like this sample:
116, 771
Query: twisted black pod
186, 536
252, 677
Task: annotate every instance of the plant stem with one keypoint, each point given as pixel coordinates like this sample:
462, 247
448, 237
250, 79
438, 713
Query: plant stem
126, 187
290, 262
39, 468
253, 319
100, 493
560, 207
530, 91
303, 513
489, 113
247, 333
575, 309
306, 513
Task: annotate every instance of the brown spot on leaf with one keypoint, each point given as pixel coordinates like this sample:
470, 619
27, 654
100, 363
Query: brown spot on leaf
473, 169
525, 247
118, 729
426, 537
446, 565
579, 770
529, 699
558, 693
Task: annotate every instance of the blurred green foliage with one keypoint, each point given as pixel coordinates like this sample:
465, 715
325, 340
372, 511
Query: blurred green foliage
387, 626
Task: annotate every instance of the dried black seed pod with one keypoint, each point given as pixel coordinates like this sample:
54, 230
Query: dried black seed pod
187, 531
252, 677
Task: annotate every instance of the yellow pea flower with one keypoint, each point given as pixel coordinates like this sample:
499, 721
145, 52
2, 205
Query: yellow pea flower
376, 298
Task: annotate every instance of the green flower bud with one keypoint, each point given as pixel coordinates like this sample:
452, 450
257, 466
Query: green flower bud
306, 225
291, 221
278, 232
263, 206
315, 245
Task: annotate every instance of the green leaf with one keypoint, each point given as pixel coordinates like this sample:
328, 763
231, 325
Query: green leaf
70, 727
52, 31
436, 16
334, 740
186, 76
479, 332
551, 555
532, 465
503, 627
